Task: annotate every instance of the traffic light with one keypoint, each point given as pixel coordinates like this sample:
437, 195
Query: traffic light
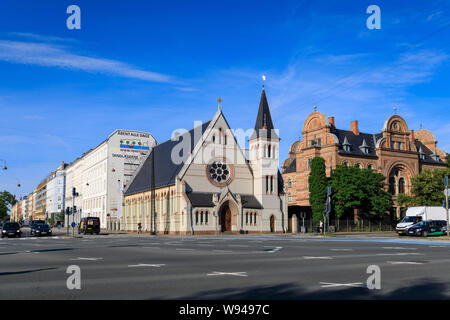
67, 210
74, 191
74, 209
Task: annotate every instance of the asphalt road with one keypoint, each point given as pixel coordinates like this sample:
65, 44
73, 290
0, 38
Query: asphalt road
222, 267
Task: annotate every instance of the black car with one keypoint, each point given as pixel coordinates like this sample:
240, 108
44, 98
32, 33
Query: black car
34, 222
89, 225
41, 229
428, 228
11, 229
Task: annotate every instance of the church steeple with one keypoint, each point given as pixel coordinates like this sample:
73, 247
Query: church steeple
264, 125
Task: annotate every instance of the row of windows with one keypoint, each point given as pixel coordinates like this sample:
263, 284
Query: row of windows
221, 137
201, 217
357, 165
269, 184
250, 218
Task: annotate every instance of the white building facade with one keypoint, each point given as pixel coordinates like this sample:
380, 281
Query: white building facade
56, 188
100, 175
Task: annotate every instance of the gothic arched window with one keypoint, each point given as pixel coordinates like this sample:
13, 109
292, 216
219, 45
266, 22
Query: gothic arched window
401, 185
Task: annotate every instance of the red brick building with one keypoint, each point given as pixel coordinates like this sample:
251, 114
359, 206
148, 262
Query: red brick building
397, 152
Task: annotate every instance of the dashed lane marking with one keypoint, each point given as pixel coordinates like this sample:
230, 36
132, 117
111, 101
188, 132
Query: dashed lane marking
404, 262
275, 250
400, 254
88, 259
145, 265
331, 284
310, 258
237, 274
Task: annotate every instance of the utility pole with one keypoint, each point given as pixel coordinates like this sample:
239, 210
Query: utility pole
446, 202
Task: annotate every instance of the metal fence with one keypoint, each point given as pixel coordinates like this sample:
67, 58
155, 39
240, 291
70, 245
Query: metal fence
349, 225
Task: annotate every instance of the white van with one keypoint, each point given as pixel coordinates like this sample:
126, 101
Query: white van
417, 214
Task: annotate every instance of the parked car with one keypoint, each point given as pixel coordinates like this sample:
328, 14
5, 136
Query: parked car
427, 228
41, 229
11, 229
89, 225
408, 221
36, 222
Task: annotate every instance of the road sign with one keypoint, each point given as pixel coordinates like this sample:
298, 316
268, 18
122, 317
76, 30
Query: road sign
446, 181
447, 192
73, 224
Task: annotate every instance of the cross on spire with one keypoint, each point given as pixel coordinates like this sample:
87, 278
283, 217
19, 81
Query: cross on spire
395, 109
219, 100
315, 108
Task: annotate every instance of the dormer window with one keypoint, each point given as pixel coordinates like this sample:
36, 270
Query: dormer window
422, 156
346, 145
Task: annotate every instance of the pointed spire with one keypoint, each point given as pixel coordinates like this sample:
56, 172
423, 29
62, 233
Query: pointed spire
264, 124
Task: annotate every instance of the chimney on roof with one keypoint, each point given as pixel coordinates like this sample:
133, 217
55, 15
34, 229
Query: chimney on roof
354, 127
412, 138
331, 121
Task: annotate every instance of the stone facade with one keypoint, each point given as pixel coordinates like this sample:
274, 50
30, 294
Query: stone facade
396, 152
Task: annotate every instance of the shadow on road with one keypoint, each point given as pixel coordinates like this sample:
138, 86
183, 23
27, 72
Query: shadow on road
25, 271
423, 289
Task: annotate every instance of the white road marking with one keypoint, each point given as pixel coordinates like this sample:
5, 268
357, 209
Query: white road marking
145, 265
89, 259
331, 284
237, 274
238, 245
404, 262
437, 246
400, 254
399, 248
205, 245
309, 258
222, 251
185, 249
275, 249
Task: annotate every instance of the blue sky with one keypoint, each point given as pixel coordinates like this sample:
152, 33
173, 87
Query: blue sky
160, 65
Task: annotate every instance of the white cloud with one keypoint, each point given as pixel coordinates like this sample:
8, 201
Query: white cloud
51, 55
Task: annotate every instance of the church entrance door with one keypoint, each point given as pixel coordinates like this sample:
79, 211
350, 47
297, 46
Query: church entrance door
225, 218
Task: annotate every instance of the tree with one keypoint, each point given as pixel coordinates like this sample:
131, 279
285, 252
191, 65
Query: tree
6, 201
427, 189
362, 189
447, 158
60, 216
317, 182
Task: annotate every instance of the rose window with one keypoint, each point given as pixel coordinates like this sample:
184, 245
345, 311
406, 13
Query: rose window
219, 171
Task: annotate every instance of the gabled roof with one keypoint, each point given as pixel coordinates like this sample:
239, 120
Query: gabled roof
165, 169
264, 125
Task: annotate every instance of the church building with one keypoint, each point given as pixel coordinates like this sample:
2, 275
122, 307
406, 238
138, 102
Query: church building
201, 182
